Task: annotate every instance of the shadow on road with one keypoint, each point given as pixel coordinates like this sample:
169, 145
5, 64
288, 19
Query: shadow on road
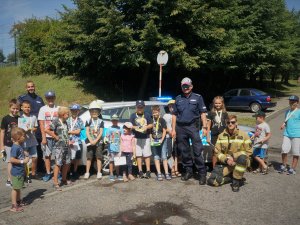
36, 194
160, 213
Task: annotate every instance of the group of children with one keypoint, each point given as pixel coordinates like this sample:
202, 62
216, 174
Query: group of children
62, 128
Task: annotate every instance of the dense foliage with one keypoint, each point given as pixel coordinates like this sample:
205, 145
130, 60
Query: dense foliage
113, 44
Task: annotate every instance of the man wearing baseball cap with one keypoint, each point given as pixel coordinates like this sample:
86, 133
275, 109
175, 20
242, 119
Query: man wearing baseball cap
291, 136
188, 109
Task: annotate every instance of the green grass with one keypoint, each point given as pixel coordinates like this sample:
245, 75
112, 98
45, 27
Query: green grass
67, 89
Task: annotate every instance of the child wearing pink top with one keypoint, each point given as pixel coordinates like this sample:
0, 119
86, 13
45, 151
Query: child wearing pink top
128, 143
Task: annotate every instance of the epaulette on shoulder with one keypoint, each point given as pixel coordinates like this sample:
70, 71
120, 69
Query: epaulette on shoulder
178, 96
22, 96
197, 94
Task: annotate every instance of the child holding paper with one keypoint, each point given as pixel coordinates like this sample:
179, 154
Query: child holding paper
128, 149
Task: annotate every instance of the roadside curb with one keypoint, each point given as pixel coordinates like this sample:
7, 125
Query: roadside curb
56, 192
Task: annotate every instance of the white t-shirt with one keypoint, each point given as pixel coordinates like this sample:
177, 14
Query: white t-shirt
27, 123
48, 114
261, 131
168, 118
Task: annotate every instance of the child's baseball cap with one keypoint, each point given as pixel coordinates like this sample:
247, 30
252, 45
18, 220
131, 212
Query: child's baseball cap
75, 107
128, 125
49, 94
294, 98
171, 102
114, 117
186, 81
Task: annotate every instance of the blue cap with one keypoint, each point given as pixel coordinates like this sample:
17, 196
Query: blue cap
75, 107
49, 94
140, 103
294, 98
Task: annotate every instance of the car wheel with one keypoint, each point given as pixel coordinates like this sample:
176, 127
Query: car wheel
255, 107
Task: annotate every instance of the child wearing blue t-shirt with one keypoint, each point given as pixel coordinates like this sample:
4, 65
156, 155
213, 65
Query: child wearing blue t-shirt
17, 159
113, 137
291, 136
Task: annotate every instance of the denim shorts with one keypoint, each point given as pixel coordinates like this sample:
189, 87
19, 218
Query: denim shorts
7, 150
167, 147
159, 152
259, 152
32, 151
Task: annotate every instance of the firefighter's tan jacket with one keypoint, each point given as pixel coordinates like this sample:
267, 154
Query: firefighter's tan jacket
233, 145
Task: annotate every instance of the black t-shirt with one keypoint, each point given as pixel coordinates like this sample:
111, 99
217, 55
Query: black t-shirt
140, 121
8, 122
157, 129
218, 122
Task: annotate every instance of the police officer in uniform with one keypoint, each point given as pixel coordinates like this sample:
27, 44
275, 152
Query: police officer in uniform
232, 150
36, 102
188, 108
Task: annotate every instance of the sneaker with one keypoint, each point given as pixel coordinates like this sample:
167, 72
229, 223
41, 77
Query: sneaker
148, 175
265, 170
282, 169
120, 178
124, 178
47, 177
99, 176
291, 171
8, 183
112, 178
141, 174
28, 179
86, 176
131, 177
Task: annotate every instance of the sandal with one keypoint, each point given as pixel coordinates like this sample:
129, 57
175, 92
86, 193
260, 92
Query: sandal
159, 177
57, 187
265, 171
16, 208
21, 203
168, 177
66, 182
178, 174
258, 170
173, 174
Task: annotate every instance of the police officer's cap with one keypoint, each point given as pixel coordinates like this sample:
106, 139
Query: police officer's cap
140, 103
186, 81
75, 107
49, 94
294, 98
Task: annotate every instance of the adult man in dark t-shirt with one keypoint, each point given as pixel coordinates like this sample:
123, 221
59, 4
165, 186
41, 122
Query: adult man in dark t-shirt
36, 102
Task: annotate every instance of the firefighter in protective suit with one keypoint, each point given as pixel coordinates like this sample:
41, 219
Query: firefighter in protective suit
233, 150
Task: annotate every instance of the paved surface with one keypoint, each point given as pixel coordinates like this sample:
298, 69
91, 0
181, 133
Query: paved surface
269, 199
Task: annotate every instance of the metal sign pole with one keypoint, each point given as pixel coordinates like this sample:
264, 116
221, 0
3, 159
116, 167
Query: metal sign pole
160, 79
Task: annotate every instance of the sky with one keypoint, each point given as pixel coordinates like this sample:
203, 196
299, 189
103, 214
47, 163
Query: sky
14, 11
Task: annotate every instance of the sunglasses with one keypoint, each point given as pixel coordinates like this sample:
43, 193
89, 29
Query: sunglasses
231, 122
185, 86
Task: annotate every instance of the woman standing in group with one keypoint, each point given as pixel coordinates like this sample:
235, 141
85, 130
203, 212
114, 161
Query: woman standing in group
216, 122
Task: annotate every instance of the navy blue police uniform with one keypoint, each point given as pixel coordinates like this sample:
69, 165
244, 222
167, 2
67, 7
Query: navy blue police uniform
36, 102
187, 111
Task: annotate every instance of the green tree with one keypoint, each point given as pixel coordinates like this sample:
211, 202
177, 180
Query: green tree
2, 57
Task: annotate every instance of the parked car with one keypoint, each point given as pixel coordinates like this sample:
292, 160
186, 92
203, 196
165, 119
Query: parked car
124, 110
247, 99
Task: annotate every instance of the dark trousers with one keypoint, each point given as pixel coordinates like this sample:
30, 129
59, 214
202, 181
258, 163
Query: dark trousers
40, 161
128, 166
184, 133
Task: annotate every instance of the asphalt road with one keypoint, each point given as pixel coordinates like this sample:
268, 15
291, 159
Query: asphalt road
264, 199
